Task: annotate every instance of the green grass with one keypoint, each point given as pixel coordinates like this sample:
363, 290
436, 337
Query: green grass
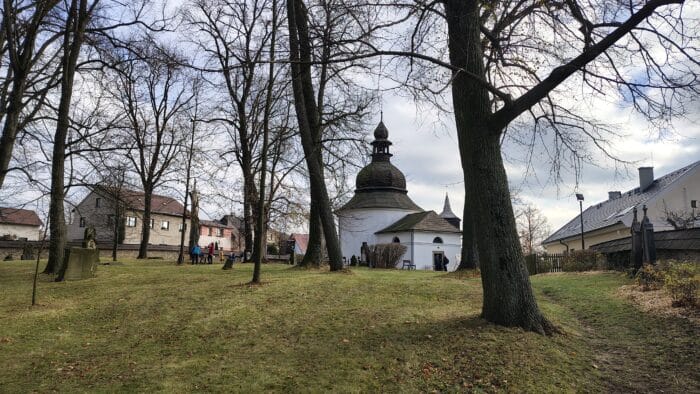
152, 326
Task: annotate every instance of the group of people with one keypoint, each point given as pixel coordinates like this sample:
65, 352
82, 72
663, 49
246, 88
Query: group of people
198, 254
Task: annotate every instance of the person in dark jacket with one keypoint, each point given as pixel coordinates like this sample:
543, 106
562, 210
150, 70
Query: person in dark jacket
445, 261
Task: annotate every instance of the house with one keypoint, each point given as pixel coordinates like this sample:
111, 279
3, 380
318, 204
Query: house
18, 223
380, 211
98, 209
224, 236
300, 242
674, 194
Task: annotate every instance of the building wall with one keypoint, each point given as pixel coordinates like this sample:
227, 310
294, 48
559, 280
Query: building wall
225, 242
31, 233
99, 217
676, 199
358, 226
590, 238
420, 247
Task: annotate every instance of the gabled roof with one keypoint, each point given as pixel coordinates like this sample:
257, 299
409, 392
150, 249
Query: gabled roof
135, 200
428, 221
19, 216
380, 199
619, 210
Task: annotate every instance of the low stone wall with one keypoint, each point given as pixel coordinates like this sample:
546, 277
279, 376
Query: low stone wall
165, 252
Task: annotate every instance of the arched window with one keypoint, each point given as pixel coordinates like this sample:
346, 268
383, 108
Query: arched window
437, 240
396, 240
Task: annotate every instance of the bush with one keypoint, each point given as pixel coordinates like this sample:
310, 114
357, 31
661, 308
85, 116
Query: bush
386, 255
582, 260
272, 249
650, 277
683, 283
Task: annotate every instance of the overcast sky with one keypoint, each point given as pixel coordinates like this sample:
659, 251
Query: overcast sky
425, 149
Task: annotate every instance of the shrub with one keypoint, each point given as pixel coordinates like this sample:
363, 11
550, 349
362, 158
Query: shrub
650, 277
582, 260
683, 283
386, 255
272, 249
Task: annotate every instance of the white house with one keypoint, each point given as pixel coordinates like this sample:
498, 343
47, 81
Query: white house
18, 223
668, 197
381, 212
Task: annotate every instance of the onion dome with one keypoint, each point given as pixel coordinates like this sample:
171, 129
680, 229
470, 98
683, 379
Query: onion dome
380, 184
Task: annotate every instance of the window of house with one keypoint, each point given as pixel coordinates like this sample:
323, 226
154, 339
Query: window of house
164, 225
153, 223
437, 240
82, 222
130, 221
209, 231
97, 202
180, 227
396, 240
219, 232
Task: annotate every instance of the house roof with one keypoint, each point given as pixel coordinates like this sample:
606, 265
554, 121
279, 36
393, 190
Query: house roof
620, 209
19, 216
427, 221
380, 199
135, 199
302, 240
214, 223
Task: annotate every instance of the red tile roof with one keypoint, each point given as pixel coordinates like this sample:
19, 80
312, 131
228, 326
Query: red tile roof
159, 204
19, 216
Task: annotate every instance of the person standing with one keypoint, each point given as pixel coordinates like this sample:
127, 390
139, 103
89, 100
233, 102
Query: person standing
210, 255
195, 254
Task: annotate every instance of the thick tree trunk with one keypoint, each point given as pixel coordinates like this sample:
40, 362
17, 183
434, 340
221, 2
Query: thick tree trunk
508, 297
145, 224
309, 124
314, 249
249, 209
469, 259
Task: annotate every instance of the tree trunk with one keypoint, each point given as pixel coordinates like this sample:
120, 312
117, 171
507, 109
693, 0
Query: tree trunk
9, 131
248, 208
145, 224
73, 39
309, 124
314, 249
469, 260
508, 297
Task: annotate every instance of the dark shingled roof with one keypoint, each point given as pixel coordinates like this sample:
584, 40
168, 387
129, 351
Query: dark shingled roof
19, 216
447, 210
380, 175
380, 199
214, 223
663, 240
422, 221
618, 210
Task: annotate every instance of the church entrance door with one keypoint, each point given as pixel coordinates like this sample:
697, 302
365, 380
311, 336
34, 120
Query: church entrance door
438, 258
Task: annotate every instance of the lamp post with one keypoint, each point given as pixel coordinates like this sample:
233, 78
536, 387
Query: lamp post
579, 197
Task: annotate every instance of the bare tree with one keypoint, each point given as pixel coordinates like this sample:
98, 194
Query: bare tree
153, 89
28, 76
532, 228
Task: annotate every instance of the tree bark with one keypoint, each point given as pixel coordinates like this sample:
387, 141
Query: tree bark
309, 124
508, 297
73, 40
145, 224
314, 249
469, 259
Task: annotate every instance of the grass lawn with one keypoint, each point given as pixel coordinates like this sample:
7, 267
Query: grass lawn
153, 326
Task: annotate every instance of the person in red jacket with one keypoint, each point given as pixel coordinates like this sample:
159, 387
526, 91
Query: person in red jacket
210, 256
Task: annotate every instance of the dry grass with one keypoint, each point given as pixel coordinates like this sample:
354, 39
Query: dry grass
659, 302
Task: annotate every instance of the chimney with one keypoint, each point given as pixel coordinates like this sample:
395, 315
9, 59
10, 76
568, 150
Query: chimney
614, 195
646, 178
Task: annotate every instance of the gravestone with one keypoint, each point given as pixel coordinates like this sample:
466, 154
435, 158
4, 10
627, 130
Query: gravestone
27, 252
636, 252
81, 263
649, 246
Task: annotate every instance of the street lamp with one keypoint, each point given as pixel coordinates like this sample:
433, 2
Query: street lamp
579, 197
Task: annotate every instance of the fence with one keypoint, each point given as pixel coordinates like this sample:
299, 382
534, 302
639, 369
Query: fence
539, 263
